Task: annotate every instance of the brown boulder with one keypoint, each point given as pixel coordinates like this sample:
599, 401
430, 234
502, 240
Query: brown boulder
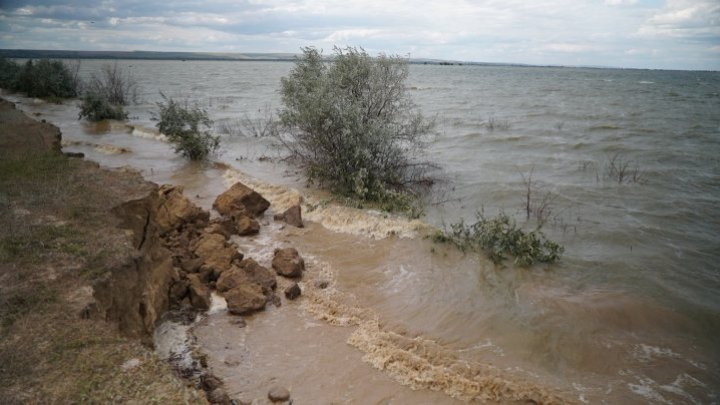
259, 274
178, 291
214, 251
245, 298
278, 394
293, 291
246, 226
199, 293
224, 226
291, 216
249, 272
175, 210
240, 199
288, 263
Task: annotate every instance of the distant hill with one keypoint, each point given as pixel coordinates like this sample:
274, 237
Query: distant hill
222, 56
63, 54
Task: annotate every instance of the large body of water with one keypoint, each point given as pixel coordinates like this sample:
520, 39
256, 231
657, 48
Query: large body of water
630, 315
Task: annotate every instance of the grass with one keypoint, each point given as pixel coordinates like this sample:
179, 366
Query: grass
58, 236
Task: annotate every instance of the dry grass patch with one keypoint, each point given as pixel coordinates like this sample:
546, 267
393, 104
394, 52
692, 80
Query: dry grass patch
58, 237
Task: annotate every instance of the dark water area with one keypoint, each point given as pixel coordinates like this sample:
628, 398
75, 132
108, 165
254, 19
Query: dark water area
631, 313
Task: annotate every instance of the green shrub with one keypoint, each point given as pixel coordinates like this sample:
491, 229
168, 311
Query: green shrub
97, 107
114, 84
46, 78
8, 73
499, 237
351, 127
105, 95
182, 125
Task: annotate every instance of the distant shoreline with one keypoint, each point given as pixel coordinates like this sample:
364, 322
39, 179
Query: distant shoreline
223, 57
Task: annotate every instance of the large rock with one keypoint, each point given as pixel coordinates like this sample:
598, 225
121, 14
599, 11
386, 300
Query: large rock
240, 199
163, 210
176, 210
245, 298
278, 394
288, 263
246, 226
259, 274
214, 251
291, 216
249, 272
199, 293
224, 226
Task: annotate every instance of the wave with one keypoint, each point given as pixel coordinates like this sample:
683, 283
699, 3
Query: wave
102, 148
417, 362
332, 216
147, 133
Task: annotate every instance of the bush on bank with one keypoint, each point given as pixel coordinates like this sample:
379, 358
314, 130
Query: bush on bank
51, 79
350, 125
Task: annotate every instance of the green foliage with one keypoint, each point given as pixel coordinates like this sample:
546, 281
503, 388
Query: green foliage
8, 72
500, 237
44, 78
182, 125
97, 107
351, 126
105, 95
114, 84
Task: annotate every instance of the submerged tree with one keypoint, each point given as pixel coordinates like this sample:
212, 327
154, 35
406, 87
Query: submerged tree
187, 129
351, 126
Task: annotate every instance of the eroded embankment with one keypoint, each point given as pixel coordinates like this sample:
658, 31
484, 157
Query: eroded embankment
58, 236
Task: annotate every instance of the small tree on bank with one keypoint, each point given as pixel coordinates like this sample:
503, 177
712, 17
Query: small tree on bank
187, 129
351, 126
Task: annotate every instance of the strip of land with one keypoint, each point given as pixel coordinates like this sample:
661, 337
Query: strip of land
58, 238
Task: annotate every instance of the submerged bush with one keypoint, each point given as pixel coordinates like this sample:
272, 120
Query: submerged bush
350, 125
105, 95
115, 84
46, 78
182, 125
96, 107
500, 237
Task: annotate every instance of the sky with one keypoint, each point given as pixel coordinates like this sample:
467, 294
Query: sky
658, 34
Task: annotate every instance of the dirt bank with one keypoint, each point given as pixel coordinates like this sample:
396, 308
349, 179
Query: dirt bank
59, 239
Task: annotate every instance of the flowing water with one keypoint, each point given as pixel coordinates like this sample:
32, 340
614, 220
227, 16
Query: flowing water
630, 315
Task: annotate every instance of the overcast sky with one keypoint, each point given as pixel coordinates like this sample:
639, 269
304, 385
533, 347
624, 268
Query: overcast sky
675, 34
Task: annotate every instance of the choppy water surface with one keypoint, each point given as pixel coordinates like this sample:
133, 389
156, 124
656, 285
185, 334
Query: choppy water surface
631, 314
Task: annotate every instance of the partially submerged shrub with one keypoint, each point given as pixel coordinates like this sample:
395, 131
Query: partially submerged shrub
350, 125
500, 237
105, 95
46, 78
187, 129
623, 170
116, 85
96, 107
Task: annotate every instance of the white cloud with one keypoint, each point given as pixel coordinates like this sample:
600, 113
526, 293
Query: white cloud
620, 2
585, 32
690, 19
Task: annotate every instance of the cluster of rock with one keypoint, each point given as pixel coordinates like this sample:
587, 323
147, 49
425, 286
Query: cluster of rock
183, 255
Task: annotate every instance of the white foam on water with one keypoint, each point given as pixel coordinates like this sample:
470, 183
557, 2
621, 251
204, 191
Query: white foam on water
335, 217
147, 133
